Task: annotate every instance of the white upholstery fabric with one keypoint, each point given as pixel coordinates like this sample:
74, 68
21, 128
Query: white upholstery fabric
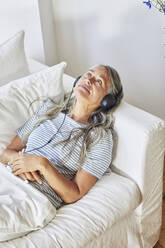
35, 66
27, 207
76, 225
140, 156
121, 211
16, 96
13, 62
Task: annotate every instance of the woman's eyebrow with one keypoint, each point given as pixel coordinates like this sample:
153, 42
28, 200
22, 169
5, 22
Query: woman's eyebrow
101, 76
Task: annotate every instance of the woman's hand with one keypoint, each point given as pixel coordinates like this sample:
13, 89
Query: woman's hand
31, 176
26, 163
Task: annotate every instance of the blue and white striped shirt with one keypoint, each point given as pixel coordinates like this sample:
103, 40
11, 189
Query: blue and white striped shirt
98, 159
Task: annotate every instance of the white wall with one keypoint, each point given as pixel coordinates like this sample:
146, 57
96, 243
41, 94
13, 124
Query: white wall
124, 34
16, 15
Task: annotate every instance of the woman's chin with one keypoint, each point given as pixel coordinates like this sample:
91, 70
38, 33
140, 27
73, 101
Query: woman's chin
81, 93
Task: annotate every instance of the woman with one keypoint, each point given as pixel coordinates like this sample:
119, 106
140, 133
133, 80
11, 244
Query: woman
65, 161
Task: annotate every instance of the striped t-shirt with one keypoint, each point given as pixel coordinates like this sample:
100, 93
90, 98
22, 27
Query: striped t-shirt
98, 158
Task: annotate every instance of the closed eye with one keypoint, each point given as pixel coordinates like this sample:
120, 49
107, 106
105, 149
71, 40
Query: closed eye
89, 75
99, 81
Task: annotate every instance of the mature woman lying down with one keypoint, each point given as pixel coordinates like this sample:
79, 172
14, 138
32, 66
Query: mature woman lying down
63, 150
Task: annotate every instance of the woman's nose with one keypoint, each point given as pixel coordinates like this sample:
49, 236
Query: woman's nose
90, 80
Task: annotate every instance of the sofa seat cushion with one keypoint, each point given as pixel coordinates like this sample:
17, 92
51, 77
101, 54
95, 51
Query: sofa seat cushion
76, 224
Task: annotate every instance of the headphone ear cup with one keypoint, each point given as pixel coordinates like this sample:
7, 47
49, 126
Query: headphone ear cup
108, 102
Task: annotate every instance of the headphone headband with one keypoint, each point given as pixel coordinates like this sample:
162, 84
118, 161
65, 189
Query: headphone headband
74, 84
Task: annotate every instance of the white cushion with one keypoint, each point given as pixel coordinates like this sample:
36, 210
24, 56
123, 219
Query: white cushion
35, 66
13, 62
80, 224
16, 96
22, 207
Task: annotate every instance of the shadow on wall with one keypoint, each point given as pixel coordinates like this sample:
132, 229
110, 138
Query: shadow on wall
135, 52
137, 55
74, 43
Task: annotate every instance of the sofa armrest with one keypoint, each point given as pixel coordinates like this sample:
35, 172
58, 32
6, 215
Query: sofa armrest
139, 145
139, 154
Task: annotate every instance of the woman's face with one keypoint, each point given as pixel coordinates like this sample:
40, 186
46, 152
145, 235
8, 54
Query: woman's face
93, 86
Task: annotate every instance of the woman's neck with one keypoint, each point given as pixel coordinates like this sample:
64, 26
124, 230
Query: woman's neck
78, 119
81, 112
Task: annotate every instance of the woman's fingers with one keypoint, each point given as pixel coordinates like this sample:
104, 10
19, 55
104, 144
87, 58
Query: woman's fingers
18, 172
15, 168
32, 176
15, 160
29, 176
18, 158
23, 176
37, 177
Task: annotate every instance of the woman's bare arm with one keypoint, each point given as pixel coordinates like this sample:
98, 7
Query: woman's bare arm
11, 151
69, 190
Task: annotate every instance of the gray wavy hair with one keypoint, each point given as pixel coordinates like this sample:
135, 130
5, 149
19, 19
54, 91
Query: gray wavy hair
99, 120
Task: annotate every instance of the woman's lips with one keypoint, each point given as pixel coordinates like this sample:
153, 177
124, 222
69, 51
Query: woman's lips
83, 86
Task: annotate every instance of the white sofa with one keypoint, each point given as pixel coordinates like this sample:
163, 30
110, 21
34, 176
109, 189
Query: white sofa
123, 209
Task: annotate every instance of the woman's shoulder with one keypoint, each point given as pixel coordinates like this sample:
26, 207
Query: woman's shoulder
107, 136
103, 140
47, 104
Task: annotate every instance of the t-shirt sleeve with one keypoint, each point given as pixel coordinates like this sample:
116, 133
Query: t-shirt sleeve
99, 156
29, 124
